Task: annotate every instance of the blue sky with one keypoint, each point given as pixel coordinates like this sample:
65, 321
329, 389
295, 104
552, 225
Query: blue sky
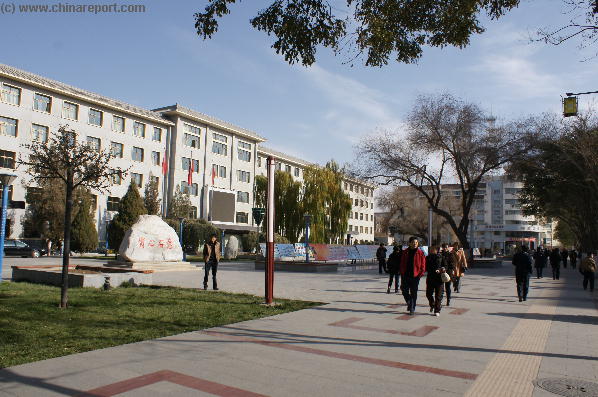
156, 59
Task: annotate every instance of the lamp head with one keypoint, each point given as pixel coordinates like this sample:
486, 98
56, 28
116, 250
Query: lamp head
7, 178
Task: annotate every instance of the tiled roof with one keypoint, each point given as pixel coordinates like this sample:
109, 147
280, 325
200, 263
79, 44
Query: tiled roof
53, 85
194, 114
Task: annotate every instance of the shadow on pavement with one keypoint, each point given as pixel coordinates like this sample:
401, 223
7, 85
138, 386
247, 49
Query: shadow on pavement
6, 375
565, 318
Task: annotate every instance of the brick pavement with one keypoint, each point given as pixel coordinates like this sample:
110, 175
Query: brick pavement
358, 344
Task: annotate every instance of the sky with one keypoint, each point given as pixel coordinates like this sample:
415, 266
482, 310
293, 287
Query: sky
318, 113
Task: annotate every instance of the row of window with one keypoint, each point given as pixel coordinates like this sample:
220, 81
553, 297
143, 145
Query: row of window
361, 229
278, 167
70, 110
193, 190
361, 203
192, 138
360, 216
359, 189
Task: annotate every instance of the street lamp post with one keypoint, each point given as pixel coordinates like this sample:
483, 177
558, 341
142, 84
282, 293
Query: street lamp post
6, 179
307, 218
181, 224
106, 244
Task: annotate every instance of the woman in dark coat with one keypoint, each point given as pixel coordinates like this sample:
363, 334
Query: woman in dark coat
434, 284
394, 260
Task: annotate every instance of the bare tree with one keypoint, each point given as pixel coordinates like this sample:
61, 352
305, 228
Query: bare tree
582, 25
409, 214
446, 141
74, 164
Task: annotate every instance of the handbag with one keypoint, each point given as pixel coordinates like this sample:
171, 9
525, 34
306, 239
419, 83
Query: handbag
445, 277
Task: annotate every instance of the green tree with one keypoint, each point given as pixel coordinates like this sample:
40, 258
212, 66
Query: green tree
560, 178
129, 209
151, 197
44, 215
84, 232
326, 202
372, 29
63, 160
180, 205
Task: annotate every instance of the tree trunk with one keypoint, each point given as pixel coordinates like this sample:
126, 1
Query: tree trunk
68, 210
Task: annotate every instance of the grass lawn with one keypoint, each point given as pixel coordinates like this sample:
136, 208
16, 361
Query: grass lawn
34, 328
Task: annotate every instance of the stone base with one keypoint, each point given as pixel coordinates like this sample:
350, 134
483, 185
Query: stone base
155, 266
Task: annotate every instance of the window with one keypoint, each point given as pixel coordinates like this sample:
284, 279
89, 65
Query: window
137, 154
191, 190
242, 217
297, 171
112, 203
94, 142
219, 145
287, 168
242, 197
193, 212
356, 202
39, 133
346, 186
7, 159
8, 126
70, 111
278, 166
157, 134
137, 179
360, 229
192, 135
259, 161
356, 215
219, 170
11, 94
361, 203
155, 158
117, 179
96, 117
118, 124
350, 215
243, 176
360, 216
372, 205
116, 149
185, 162
43, 103
362, 190
194, 191
139, 129
244, 151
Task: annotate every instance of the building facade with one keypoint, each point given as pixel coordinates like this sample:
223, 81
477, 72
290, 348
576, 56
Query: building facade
496, 223
223, 158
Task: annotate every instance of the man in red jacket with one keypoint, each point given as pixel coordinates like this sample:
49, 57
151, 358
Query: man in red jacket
413, 266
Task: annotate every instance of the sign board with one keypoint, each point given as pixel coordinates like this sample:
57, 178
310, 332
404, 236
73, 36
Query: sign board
570, 106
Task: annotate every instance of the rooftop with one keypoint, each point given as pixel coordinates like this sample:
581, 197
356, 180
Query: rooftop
68, 90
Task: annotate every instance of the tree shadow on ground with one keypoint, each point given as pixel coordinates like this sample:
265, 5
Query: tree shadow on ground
565, 318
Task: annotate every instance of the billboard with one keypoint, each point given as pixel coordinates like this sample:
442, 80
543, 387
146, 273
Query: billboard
223, 206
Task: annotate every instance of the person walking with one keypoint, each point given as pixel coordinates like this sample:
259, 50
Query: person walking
564, 257
588, 269
447, 264
392, 265
381, 256
523, 270
413, 266
211, 257
434, 284
459, 264
539, 261
573, 258
555, 263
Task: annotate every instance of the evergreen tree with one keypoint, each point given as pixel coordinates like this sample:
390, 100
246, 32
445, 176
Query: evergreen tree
180, 206
84, 236
151, 198
131, 206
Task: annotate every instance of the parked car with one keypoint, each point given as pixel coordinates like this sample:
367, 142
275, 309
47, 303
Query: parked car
19, 248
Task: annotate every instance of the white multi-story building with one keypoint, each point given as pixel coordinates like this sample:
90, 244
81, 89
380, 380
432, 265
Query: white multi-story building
361, 218
224, 158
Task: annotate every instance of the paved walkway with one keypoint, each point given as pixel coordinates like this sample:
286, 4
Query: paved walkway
359, 344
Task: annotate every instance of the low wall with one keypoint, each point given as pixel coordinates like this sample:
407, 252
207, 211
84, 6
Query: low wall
53, 276
300, 267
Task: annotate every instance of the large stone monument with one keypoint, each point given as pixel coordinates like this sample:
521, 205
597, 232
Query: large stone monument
151, 244
232, 248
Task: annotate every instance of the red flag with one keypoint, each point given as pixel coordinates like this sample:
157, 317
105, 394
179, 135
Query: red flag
213, 173
164, 165
190, 173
